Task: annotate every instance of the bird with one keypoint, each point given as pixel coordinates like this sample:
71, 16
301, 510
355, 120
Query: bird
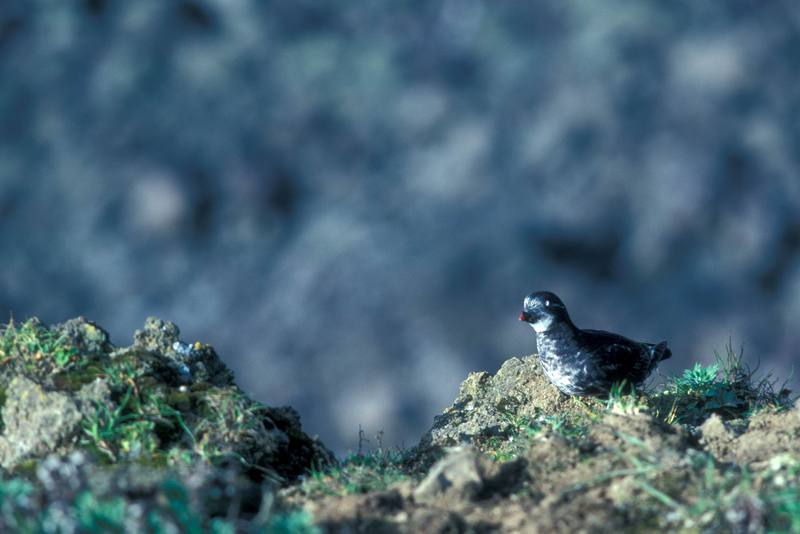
586, 362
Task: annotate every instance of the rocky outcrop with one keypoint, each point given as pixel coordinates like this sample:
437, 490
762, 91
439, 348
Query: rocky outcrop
37, 422
486, 404
155, 435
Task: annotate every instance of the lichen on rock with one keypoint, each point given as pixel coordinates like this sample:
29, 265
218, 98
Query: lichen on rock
192, 362
36, 421
110, 424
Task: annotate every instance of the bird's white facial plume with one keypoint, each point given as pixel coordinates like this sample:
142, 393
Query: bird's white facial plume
545, 322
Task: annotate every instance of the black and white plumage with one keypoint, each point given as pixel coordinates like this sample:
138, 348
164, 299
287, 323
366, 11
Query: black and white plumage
586, 362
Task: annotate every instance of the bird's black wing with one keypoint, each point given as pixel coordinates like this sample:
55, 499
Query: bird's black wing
616, 354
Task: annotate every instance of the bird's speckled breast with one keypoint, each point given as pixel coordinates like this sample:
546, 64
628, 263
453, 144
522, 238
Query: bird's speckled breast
567, 369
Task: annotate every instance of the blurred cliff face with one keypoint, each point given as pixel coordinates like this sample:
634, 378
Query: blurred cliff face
351, 202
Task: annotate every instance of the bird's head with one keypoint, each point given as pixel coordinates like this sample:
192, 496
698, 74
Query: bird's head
542, 310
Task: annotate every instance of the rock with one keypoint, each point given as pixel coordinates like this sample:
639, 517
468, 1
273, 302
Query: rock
485, 402
436, 521
457, 476
465, 475
377, 512
72, 491
37, 422
157, 336
119, 439
294, 451
590, 466
558, 467
136, 406
84, 335
94, 394
383, 512
196, 362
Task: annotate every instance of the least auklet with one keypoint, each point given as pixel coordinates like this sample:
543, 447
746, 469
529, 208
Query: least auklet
585, 362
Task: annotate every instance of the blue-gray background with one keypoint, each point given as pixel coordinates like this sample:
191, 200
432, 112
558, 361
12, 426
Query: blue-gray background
349, 200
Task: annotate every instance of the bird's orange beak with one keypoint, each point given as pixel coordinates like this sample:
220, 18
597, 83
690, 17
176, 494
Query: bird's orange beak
523, 316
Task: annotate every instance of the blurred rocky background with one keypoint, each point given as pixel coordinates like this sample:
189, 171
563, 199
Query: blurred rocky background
349, 200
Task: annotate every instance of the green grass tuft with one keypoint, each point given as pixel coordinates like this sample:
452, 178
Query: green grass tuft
624, 399
728, 388
360, 472
697, 380
296, 522
36, 348
93, 515
522, 431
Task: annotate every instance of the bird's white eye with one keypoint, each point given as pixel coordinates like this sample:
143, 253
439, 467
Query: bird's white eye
547, 303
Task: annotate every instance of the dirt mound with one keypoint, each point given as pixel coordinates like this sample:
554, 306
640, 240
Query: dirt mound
559, 484
753, 442
588, 485
487, 404
530, 459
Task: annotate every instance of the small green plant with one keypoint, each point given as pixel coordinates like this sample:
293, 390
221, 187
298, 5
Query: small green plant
295, 522
36, 346
707, 393
567, 425
522, 431
522, 426
781, 492
109, 430
179, 504
785, 504
728, 387
623, 399
95, 515
16, 500
360, 472
697, 380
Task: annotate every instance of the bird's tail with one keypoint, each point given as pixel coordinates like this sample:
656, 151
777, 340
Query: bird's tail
661, 352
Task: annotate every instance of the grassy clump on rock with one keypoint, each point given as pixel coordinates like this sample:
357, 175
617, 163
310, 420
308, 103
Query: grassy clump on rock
154, 437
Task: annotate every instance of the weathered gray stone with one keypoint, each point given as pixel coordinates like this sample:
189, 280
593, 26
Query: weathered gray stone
458, 476
94, 394
85, 335
465, 475
194, 362
36, 421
